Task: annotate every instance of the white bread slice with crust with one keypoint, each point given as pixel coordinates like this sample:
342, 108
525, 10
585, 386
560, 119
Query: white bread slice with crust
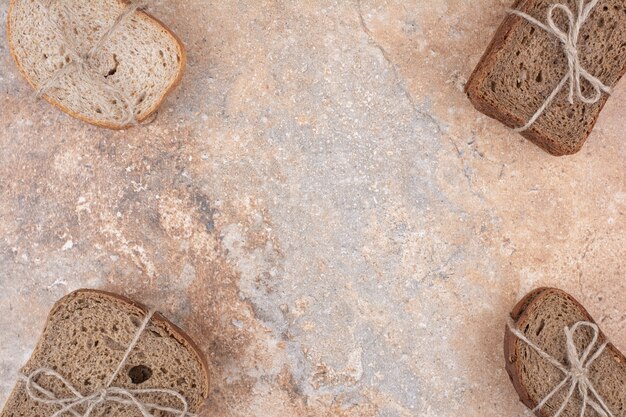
84, 340
124, 81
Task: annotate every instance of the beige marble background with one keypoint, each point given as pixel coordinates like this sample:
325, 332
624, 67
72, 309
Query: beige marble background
319, 205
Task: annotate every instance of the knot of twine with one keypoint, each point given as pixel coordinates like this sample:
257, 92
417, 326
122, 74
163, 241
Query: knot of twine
106, 394
577, 375
81, 61
569, 41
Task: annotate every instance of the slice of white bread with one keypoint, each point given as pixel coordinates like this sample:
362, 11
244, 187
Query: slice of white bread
541, 317
122, 82
84, 340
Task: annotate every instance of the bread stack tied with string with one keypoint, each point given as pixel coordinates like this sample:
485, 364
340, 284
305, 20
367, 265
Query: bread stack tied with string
101, 355
106, 62
560, 362
550, 69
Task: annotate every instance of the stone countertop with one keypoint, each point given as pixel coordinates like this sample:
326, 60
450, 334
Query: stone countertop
319, 206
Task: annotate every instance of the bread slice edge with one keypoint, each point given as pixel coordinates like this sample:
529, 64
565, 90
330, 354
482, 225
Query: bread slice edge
158, 319
520, 314
147, 16
472, 87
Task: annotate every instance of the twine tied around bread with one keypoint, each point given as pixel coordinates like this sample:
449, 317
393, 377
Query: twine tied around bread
577, 375
81, 62
105, 394
569, 41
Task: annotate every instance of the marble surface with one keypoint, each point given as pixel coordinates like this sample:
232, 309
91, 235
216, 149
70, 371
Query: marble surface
319, 206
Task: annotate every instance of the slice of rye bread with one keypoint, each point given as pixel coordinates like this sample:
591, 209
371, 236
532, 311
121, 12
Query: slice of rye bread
524, 64
141, 62
541, 316
85, 338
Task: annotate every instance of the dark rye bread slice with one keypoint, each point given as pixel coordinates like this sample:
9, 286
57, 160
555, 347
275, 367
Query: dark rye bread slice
541, 316
524, 64
129, 75
86, 336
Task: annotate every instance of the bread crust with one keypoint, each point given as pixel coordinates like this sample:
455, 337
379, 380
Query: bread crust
147, 16
472, 88
157, 319
520, 314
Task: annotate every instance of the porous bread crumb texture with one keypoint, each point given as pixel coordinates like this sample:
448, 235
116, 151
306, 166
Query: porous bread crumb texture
514, 78
142, 59
84, 340
543, 323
